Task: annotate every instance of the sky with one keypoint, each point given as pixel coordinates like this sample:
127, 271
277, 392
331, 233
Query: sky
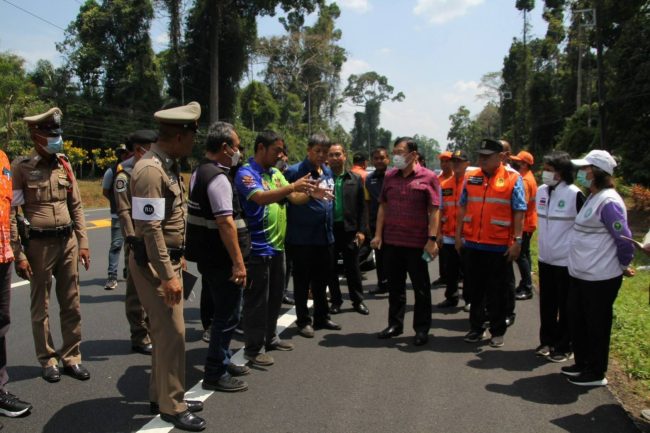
434, 51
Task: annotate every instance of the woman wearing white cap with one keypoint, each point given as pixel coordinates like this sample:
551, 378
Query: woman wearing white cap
598, 259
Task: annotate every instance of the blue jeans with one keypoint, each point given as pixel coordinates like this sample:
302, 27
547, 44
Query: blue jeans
226, 300
116, 247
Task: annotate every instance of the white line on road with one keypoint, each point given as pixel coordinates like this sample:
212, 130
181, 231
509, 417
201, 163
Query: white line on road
20, 283
157, 425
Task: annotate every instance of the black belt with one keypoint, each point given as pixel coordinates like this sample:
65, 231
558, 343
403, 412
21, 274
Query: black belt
176, 253
56, 232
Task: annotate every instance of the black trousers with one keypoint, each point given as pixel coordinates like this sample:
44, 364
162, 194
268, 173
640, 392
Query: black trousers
524, 264
5, 299
312, 267
454, 264
344, 244
510, 290
262, 301
398, 262
590, 321
553, 294
443, 264
487, 277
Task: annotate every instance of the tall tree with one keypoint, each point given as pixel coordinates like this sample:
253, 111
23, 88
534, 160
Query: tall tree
464, 133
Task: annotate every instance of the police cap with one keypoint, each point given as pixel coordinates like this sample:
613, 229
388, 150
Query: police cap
48, 122
185, 116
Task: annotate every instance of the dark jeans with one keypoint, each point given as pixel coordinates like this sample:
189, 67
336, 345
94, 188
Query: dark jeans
116, 247
553, 293
453, 265
312, 267
443, 264
399, 261
5, 299
345, 245
487, 277
523, 262
262, 301
590, 321
510, 290
226, 299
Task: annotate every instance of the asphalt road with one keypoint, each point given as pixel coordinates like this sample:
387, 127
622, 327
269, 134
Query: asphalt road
347, 381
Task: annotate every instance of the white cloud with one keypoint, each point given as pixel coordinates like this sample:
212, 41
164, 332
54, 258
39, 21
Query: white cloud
462, 91
353, 66
360, 6
161, 39
385, 51
442, 11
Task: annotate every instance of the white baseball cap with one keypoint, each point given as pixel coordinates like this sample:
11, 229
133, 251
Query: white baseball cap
598, 158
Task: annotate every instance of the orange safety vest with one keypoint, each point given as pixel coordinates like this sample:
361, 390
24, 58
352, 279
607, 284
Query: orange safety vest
6, 194
530, 218
488, 215
451, 190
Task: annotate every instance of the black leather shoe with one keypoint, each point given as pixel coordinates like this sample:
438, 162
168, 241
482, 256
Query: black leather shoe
439, 282
328, 324
448, 303
77, 371
510, 320
335, 309
287, 300
421, 338
51, 373
523, 295
192, 406
391, 331
144, 349
361, 308
379, 290
185, 421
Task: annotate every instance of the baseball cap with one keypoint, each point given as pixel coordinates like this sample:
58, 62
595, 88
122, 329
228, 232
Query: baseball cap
487, 146
444, 155
598, 158
524, 156
460, 155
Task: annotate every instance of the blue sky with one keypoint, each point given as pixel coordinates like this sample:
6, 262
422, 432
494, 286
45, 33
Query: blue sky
435, 51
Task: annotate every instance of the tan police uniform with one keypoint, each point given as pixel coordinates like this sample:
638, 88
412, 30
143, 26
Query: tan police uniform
135, 314
49, 196
159, 210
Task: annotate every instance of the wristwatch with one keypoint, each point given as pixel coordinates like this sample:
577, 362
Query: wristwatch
433, 238
519, 239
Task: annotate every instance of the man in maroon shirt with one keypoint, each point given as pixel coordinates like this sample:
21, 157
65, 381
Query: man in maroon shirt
407, 223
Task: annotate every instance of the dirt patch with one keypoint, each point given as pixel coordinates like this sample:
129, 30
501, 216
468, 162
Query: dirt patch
630, 393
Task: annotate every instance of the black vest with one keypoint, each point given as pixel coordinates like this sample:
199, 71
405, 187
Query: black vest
111, 196
203, 243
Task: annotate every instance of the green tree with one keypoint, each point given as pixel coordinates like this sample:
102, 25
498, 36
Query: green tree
429, 148
464, 133
258, 108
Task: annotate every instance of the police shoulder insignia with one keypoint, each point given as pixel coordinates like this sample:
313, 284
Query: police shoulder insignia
120, 185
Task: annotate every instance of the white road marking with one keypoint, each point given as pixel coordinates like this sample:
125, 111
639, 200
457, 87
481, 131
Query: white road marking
20, 283
157, 425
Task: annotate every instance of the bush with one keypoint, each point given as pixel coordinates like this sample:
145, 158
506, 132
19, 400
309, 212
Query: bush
641, 198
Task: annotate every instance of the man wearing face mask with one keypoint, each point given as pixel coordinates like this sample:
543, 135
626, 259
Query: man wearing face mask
47, 190
159, 217
218, 240
558, 203
138, 143
407, 228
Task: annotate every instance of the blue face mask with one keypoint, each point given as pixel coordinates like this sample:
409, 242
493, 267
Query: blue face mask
54, 145
582, 180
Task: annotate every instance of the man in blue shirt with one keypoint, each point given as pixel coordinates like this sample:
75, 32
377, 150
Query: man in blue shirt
310, 238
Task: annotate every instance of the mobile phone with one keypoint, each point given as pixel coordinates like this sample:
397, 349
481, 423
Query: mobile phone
426, 257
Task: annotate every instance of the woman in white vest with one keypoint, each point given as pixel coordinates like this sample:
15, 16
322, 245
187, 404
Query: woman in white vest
558, 202
598, 259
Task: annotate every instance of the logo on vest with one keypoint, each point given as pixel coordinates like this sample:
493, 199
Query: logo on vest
561, 204
148, 209
500, 182
588, 212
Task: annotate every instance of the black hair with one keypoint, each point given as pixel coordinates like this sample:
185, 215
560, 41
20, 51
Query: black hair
602, 179
561, 163
359, 158
219, 133
342, 147
411, 145
378, 149
318, 139
267, 138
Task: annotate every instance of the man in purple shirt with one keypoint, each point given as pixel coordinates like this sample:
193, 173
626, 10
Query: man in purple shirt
407, 223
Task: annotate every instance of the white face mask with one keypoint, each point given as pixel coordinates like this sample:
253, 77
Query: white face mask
399, 162
548, 178
234, 158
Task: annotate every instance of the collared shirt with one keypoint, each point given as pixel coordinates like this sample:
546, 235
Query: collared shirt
6, 194
338, 197
311, 223
406, 203
267, 224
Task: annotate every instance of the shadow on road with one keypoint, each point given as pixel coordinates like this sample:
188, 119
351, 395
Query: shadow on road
103, 415
553, 389
606, 418
510, 360
102, 350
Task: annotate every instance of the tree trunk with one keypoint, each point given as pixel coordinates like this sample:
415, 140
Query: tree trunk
215, 30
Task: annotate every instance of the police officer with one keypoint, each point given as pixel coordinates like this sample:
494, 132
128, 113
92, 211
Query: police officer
46, 189
159, 211
138, 144
489, 226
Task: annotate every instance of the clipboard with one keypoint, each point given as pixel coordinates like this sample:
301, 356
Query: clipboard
189, 280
